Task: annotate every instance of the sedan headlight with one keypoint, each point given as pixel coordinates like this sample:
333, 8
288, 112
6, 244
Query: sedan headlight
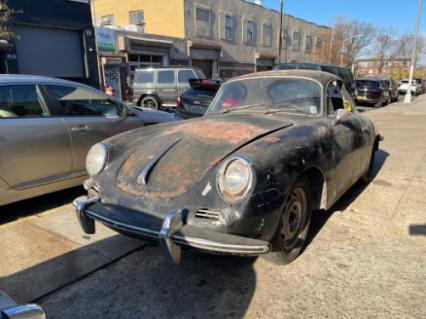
96, 159
235, 178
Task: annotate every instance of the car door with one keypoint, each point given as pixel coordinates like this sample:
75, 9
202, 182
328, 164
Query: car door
167, 87
347, 137
183, 80
90, 117
35, 146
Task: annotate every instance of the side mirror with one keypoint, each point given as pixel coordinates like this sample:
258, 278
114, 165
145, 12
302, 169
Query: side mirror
31, 311
340, 113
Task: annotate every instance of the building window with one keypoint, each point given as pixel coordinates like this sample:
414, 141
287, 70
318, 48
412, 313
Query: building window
286, 39
137, 17
107, 20
203, 15
267, 35
318, 45
296, 41
308, 44
229, 27
250, 32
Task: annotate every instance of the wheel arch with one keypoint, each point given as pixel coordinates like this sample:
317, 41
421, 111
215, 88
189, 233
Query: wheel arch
318, 183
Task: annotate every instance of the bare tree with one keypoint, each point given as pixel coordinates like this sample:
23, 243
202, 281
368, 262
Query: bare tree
351, 36
384, 47
403, 48
5, 19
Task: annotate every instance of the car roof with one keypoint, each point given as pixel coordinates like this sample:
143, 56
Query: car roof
313, 65
372, 79
320, 76
36, 79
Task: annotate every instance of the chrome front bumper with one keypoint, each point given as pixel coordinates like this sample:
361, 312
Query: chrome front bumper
10, 310
171, 232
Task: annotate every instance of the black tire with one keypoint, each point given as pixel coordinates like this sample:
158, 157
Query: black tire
368, 175
380, 103
292, 231
149, 102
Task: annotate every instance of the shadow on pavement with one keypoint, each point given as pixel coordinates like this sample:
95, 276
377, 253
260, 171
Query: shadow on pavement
417, 230
319, 219
38, 205
142, 285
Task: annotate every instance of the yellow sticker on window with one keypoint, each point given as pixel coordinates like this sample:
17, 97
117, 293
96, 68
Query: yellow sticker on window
347, 105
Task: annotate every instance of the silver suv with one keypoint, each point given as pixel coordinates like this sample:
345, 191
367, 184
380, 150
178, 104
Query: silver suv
157, 88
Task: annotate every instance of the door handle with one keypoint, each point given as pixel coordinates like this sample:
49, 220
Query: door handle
80, 128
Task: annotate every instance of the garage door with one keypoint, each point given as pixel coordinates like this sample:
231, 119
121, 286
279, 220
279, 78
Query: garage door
50, 52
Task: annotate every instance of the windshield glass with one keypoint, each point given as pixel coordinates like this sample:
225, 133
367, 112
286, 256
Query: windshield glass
286, 94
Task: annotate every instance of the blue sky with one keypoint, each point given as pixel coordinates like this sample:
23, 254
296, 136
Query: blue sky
399, 14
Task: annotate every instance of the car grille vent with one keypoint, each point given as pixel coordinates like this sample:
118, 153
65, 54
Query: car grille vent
207, 214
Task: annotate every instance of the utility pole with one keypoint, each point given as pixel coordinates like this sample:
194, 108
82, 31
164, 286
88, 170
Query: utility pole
407, 98
280, 40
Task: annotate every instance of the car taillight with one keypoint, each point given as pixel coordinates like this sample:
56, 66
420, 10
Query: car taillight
177, 100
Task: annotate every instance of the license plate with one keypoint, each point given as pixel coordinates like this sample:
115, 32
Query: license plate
195, 109
360, 97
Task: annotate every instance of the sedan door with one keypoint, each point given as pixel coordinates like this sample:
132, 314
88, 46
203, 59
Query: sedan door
90, 117
35, 147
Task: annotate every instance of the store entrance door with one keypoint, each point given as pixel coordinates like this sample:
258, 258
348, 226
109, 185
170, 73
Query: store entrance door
206, 66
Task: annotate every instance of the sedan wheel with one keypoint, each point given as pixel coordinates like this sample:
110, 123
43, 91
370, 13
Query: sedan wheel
290, 237
150, 102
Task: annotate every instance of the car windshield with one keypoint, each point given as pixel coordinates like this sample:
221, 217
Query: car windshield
269, 94
367, 83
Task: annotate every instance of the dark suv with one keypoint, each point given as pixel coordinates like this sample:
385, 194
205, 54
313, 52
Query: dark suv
343, 73
373, 92
157, 88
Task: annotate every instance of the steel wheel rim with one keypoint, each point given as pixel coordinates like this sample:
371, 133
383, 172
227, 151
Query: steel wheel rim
150, 103
292, 221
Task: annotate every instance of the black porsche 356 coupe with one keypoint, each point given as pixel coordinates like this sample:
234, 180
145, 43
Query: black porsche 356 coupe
244, 179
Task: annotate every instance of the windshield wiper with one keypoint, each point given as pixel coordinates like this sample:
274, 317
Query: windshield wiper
243, 107
282, 110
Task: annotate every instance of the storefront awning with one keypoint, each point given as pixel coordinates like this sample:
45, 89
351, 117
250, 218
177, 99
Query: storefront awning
150, 41
205, 44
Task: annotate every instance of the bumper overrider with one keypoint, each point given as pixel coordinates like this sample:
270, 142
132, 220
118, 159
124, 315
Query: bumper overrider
172, 232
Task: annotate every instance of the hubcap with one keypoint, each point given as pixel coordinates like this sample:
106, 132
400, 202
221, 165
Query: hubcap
292, 219
149, 103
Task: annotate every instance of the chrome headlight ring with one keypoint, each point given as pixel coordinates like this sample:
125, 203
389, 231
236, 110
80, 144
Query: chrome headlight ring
97, 159
235, 178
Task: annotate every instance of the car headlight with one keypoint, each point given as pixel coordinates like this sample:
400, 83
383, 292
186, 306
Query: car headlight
235, 178
96, 159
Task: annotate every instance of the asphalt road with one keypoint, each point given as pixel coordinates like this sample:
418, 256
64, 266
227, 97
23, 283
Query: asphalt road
366, 257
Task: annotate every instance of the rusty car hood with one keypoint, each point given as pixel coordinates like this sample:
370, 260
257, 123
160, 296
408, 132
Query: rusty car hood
179, 155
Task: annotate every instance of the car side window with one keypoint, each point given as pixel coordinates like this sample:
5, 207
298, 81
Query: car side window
338, 97
77, 101
144, 77
166, 77
18, 101
185, 75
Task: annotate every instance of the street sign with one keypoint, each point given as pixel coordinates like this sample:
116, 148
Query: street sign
105, 40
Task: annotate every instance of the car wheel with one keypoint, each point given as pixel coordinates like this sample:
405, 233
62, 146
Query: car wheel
368, 175
290, 236
149, 102
380, 103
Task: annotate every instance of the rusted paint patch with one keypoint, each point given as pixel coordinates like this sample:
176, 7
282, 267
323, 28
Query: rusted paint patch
224, 131
125, 187
271, 139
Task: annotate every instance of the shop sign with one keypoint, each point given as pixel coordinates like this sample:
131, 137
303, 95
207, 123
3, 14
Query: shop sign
105, 40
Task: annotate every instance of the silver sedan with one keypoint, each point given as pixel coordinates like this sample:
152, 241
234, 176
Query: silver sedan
47, 127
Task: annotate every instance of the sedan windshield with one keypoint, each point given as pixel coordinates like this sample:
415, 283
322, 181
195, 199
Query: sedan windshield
270, 94
361, 83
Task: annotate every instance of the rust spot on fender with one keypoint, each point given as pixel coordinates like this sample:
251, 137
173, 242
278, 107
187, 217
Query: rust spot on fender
225, 131
271, 139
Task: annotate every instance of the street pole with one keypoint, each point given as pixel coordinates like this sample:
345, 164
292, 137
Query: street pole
280, 40
407, 98
343, 46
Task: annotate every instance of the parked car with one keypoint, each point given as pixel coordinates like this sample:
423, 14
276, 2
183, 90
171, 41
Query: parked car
393, 88
421, 83
344, 73
48, 125
10, 310
157, 88
373, 91
195, 101
244, 179
404, 87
